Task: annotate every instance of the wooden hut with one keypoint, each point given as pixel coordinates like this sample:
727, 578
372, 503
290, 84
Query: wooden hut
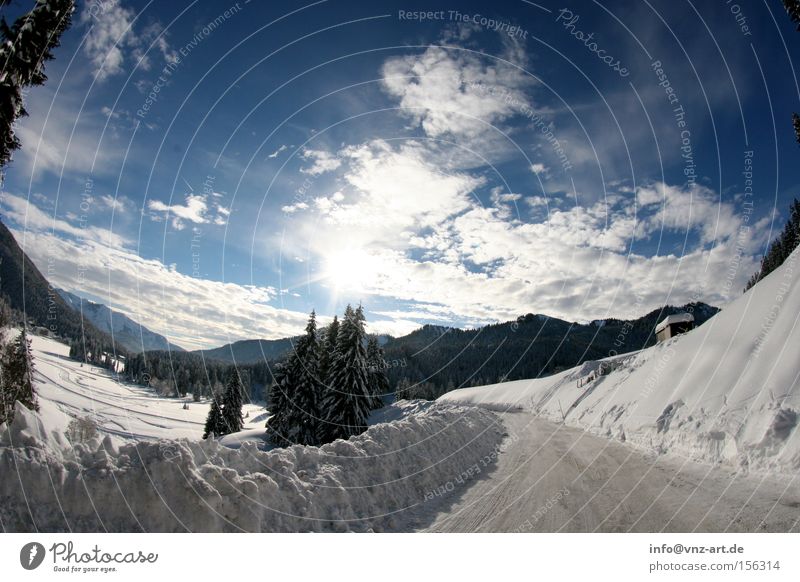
672, 325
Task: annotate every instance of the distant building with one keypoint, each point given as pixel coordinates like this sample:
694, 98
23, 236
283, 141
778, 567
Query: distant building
672, 325
117, 362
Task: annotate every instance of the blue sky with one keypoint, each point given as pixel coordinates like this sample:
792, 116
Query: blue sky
216, 170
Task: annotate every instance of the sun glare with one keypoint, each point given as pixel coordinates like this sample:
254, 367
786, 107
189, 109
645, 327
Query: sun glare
350, 269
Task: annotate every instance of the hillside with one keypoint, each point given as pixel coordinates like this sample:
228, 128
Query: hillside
725, 392
257, 351
250, 351
132, 335
533, 345
28, 291
68, 389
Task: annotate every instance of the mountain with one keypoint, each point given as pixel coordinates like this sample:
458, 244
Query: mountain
255, 351
437, 359
132, 335
25, 289
250, 351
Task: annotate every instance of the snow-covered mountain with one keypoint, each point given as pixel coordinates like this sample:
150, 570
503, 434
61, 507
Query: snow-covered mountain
724, 392
132, 335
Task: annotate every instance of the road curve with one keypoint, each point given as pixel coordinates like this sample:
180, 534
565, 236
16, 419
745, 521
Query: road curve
552, 478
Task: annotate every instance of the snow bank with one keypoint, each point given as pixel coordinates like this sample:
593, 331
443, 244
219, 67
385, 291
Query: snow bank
390, 413
367, 483
726, 392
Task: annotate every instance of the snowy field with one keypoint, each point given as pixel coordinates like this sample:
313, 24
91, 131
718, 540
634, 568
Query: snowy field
70, 390
726, 392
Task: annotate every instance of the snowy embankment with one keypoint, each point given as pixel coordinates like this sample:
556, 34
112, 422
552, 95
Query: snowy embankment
366, 483
724, 392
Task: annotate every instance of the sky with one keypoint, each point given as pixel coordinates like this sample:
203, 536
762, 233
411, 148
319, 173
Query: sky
216, 170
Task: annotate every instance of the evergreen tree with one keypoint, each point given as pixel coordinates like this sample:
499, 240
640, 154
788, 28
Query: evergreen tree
232, 404
5, 317
378, 382
25, 46
17, 377
403, 389
328, 349
215, 424
347, 399
304, 406
793, 9
781, 248
278, 428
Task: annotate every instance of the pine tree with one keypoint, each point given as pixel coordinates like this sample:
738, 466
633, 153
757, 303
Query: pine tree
378, 382
278, 428
232, 404
303, 414
328, 349
17, 379
793, 9
25, 47
403, 389
215, 424
347, 399
781, 248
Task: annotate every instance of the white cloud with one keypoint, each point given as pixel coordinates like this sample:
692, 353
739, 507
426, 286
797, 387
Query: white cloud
275, 154
455, 92
118, 204
185, 309
412, 228
322, 162
398, 190
539, 169
695, 208
292, 208
394, 198
62, 137
26, 213
195, 209
110, 33
483, 264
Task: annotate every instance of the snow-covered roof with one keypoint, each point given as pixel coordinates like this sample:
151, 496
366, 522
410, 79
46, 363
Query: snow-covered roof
676, 318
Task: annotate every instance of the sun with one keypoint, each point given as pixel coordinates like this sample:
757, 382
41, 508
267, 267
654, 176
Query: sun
350, 269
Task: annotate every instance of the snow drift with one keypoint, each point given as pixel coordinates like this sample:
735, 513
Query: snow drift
724, 392
369, 482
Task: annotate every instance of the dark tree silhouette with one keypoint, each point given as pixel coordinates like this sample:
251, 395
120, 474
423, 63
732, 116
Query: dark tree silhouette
25, 46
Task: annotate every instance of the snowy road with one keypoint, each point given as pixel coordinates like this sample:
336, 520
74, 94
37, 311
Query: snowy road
555, 478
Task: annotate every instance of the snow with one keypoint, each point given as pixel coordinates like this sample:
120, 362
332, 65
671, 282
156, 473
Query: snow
726, 392
399, 410
149, 470
391, 413
125, 411
555, 478
372, 482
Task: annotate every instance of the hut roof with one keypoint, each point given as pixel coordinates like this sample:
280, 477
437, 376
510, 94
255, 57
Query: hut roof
676, 318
